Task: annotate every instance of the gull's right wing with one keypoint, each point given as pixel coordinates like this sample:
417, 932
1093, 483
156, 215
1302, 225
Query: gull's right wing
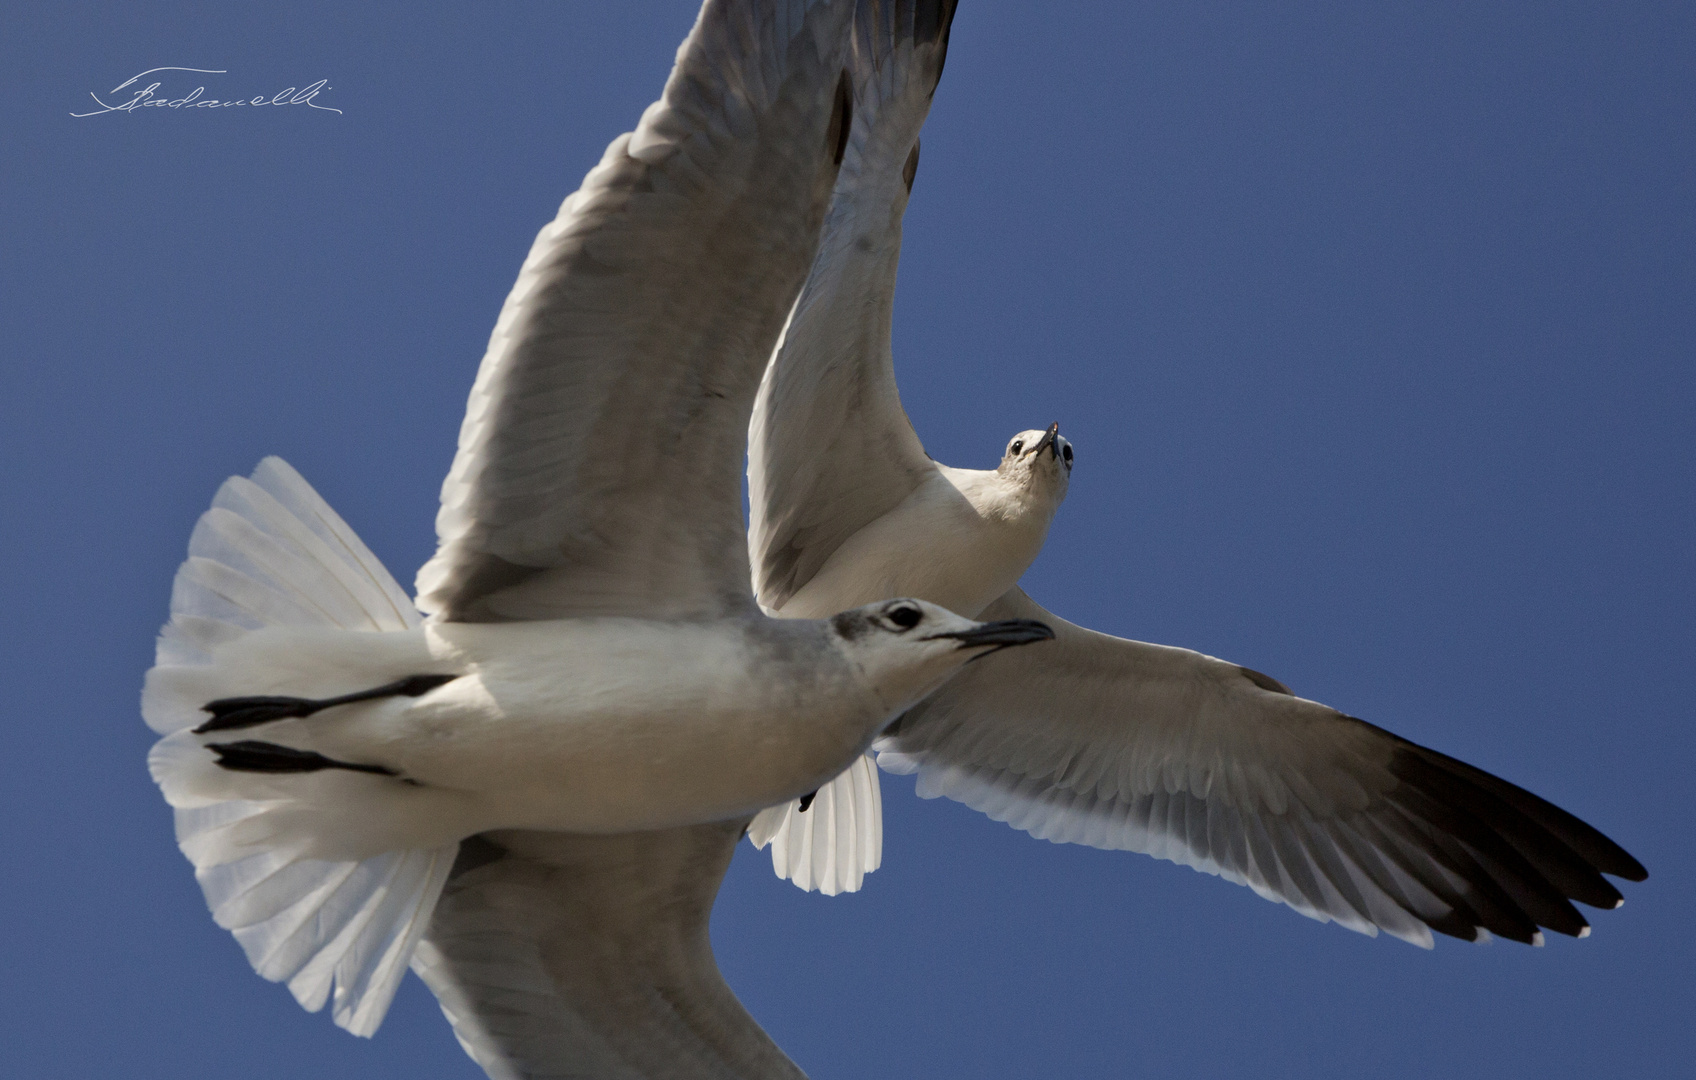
599, 462
1118, 744
587, 956
830, 448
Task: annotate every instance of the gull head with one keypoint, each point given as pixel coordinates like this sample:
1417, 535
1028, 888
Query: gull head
1039, 461
905, 649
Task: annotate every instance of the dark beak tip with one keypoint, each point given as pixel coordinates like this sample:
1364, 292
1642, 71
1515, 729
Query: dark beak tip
1047, 442
1002, 634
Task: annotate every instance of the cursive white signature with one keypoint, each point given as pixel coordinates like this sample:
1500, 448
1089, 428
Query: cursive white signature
147, 98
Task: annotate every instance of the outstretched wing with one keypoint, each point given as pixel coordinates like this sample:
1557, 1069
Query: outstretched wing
597, 470
556, 955
830, 448
1116, 744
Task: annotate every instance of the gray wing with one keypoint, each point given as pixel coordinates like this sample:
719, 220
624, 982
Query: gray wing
587, 956
598, 463
830, 448
1116, 744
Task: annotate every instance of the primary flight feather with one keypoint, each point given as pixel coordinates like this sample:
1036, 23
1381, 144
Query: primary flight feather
1095, 739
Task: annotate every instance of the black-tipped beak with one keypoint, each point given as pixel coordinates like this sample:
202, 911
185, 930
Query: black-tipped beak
1047, 441
1000, 635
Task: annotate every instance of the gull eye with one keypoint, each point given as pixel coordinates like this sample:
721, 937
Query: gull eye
1018, 447
1066, 452
906, 616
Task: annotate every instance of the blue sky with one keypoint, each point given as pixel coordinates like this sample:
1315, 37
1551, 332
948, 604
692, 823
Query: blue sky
1373, 329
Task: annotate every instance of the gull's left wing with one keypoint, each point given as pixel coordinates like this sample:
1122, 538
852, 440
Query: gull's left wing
587, 956
598, 473
1117, 744
599, 461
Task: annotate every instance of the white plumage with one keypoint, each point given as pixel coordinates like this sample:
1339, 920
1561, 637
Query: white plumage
271, 553
596, 702
532, 797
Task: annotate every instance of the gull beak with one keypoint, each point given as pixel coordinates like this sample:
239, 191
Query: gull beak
1047, 441
999, 635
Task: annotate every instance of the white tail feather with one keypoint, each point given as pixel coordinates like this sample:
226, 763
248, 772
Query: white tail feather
271, 553
836, 842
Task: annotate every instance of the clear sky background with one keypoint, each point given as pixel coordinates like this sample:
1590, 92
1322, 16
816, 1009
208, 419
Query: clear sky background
1373, 327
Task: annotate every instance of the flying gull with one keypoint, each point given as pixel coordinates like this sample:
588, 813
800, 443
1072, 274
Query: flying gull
1095, 739
531, 795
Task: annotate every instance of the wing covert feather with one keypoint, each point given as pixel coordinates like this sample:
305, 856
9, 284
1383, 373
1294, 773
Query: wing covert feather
1123, 745
597, 470
555, 956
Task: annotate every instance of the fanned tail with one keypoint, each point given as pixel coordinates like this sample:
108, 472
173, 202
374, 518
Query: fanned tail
270, 553
833, 844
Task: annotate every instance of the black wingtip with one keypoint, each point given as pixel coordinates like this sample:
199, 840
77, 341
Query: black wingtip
1583, 839
933, 20
1622, 864
883, 26
932, 23
1265, 682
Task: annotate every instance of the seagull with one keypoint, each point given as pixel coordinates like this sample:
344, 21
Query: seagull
1094, 739
527, 784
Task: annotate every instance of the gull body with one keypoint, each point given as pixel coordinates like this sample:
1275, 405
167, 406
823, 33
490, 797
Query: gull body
595, 725
527, 783
1095, 739
980, 528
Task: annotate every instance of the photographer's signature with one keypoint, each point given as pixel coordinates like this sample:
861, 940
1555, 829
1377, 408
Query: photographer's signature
149, 97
